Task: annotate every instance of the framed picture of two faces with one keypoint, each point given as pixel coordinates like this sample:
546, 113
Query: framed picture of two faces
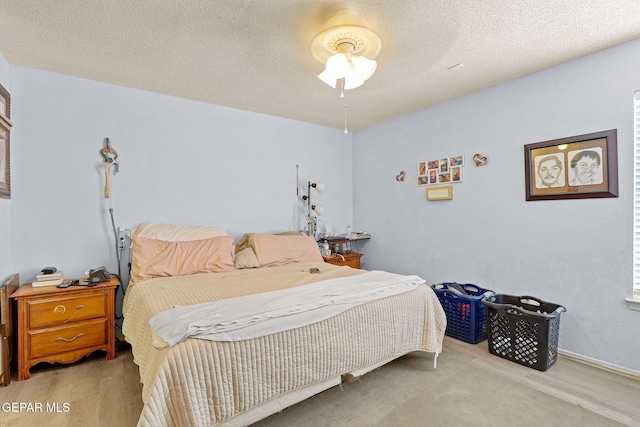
577, 167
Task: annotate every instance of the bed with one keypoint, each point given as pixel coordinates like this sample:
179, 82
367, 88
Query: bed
239, 379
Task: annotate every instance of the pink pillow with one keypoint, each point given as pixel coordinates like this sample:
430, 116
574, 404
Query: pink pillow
159, 258
284, 249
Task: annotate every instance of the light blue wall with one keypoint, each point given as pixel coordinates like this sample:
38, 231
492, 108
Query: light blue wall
5, 204
193, 163
577, 253
181, 162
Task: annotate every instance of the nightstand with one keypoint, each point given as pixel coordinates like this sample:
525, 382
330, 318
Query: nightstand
350, 260
63, 325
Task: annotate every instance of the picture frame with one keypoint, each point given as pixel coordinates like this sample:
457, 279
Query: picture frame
443, 192
456, 161
5, 143
456, 173
577, 167
444, 170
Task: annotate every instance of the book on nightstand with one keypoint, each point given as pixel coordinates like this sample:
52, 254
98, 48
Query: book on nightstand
50, 276
48, 279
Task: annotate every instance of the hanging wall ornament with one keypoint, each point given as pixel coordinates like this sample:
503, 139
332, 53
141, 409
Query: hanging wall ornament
110, 156
480, 160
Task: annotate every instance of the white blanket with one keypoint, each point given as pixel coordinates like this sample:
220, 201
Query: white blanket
266, 313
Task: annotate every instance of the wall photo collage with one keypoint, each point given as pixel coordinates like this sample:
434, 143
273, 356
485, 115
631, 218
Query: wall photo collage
446, 170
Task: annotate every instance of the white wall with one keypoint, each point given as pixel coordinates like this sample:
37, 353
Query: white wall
181, 162
5, 204
577, 253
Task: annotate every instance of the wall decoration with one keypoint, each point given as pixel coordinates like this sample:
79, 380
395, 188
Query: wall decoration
456, 161
577, 167
5, 143
440, 171
480, 160
444, 165
444, 192
400, 176
456, 174
433, 176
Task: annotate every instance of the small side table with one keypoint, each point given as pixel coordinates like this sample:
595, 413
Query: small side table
350, 260
63, 325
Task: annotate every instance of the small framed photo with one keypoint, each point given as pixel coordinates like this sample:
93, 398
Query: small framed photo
422, 168
433, 176
422, 180
443, 192
578, 167
456, 161
456, 173
444, 165
5, 144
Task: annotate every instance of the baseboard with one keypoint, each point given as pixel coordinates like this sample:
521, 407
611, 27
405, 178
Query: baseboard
600, 364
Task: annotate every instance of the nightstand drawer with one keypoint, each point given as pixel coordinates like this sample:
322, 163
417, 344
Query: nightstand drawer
50, 312
53, 341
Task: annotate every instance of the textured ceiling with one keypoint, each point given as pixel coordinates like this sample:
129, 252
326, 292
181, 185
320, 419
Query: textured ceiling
254, 55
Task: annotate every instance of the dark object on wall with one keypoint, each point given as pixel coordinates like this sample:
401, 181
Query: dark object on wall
578, 167
523, 329
5, 133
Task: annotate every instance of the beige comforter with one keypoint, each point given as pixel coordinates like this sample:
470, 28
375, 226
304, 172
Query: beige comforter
202, 383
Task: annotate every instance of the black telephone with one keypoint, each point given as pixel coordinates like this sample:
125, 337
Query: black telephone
99, 274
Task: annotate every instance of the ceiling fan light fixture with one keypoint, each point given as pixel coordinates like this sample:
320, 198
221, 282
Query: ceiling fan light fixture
355, 69
351, 82
337, 67
328, 77
364, 67
347, 47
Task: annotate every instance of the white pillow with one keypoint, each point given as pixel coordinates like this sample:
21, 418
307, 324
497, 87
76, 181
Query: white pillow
177, 233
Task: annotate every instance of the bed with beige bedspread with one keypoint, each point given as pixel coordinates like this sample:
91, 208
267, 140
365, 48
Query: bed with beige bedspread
200, 382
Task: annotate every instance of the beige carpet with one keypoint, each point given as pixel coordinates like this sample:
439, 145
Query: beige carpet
471, 387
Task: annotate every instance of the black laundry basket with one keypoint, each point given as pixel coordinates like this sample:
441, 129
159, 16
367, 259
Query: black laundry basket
523, 329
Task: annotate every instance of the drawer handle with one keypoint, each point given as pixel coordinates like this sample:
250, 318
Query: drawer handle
78, 307
71, 339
